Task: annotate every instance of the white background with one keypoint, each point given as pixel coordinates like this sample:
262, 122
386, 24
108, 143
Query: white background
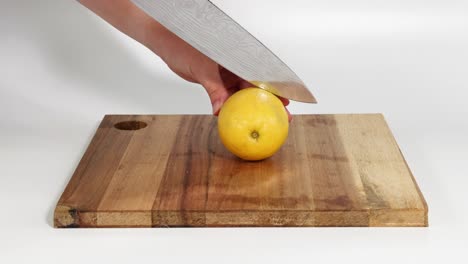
62, 68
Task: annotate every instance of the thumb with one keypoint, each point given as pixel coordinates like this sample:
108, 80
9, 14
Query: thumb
218, 95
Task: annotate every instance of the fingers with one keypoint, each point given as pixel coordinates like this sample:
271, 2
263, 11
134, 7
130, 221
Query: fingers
285, 101
289, 114
242, 84
217, 107
223, 85
218, 95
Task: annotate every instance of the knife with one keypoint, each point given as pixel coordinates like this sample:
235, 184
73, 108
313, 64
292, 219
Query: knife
208, 29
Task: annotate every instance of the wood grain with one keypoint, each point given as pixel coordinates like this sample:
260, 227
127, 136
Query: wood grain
334, 170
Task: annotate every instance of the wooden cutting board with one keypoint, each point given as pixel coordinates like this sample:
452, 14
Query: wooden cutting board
172, 170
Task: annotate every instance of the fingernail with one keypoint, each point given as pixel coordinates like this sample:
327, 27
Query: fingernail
216, 107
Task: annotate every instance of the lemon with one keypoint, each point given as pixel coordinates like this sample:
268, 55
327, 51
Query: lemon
253, 124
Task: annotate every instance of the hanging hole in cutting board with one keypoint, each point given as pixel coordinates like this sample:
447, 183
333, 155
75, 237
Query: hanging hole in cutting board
130, 125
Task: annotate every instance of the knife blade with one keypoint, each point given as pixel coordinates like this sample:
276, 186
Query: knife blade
208, 29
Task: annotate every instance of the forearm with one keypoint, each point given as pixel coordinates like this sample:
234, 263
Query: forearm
129, 19
180, 57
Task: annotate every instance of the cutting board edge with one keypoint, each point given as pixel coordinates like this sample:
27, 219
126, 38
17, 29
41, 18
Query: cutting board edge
70, 217
413, 178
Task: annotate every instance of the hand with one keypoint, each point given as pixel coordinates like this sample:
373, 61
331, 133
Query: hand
183, 59
193, 66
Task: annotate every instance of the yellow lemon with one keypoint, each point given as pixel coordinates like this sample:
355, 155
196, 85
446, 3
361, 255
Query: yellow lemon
253, 124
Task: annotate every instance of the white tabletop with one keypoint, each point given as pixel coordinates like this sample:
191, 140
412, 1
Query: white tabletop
62, 68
